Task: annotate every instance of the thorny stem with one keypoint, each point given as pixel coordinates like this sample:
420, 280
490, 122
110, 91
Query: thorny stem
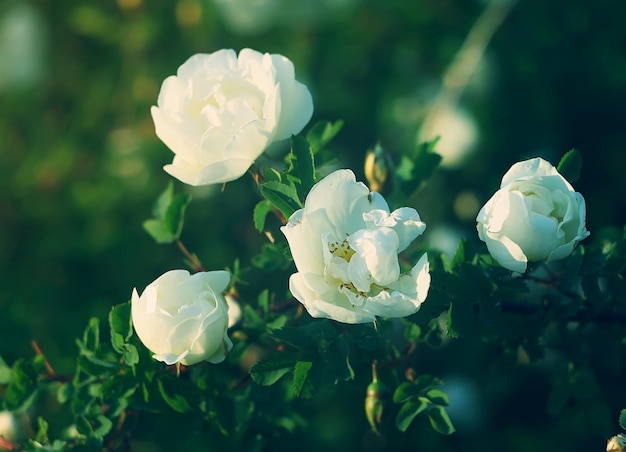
195, 263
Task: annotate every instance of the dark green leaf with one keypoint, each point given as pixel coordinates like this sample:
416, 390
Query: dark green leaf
271, 370
405, 391
158, 231
120, 324
461, 319
22, 388
415, 169
175, 214
571, 165
408, 412
302, 170
300, 373
260, 214
322, 133
622, 419
283, 197
338, 361
412, 332
294, 337
91, 336
252, 320
437, 397
176, 393
440, 420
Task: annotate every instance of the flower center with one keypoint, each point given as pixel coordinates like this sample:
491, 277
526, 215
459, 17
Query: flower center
341, 249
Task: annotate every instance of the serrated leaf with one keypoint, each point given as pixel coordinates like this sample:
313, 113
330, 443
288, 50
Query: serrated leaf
571, 165
158, 230
322, 133
302, 170
271, 370
120, 324
259, 214
622, 419
300, 373
408, 411
440, 420
283, 197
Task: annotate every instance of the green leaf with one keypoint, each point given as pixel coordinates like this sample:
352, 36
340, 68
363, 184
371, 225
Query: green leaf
169, 214
415, 169
22, 388
408, 412
571, 165
120, 323
175, 214
337, 357
260, 214
294, 337
461, 319
406, 391
440, 420
302, 170
91, 337
173, 391
163, 201
130, 355
437, 397
157, 229
271, 370
622, 419
322, 133
42, 430
283, 197
300, 373
5, 372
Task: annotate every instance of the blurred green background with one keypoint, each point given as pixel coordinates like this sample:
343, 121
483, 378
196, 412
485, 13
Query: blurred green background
80, 165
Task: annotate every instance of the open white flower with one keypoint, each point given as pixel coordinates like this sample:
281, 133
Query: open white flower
535, 216
221, 111
183, 318
345, 244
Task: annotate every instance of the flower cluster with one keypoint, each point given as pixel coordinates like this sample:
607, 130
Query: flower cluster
219, 113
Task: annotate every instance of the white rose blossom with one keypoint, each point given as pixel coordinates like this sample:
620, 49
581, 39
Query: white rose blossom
535, 216
183, 318
345, 244
221, 111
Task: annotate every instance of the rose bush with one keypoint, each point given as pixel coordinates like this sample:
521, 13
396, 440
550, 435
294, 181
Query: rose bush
183, 318
345, 244
221, 111
535, 216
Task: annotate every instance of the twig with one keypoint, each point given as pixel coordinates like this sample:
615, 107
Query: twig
197, 266
46, 363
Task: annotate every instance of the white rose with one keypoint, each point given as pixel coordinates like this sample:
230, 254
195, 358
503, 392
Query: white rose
535, 216
183, 318
345, 245
220, 112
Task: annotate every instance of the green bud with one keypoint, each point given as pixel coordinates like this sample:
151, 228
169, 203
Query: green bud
375, 400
